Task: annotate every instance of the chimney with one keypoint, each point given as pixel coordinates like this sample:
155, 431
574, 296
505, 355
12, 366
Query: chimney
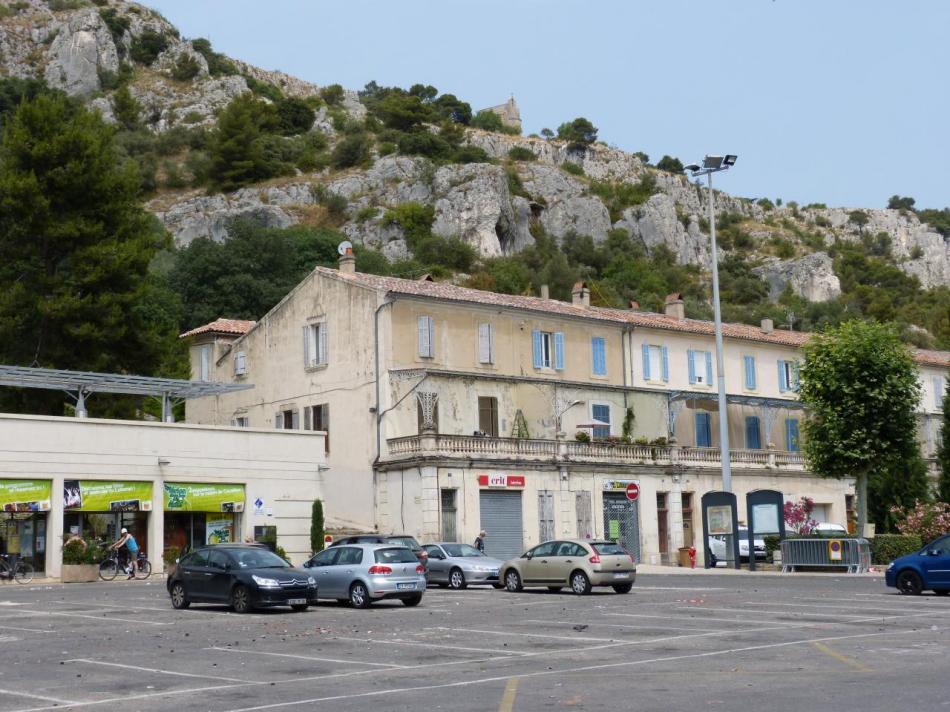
348, 261
545, 292
580, 295
675, 307
767, 326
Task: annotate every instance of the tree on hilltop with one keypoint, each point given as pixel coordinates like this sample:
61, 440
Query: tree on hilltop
579, 133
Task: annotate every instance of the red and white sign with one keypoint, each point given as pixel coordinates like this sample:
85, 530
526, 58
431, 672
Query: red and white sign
633, 491
501, 481
327, 539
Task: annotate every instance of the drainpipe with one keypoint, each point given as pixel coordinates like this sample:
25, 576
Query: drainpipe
386, 302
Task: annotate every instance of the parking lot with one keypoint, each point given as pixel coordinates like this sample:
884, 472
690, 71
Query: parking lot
675, 642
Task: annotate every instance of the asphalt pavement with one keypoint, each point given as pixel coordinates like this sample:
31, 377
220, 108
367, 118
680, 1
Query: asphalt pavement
677, 642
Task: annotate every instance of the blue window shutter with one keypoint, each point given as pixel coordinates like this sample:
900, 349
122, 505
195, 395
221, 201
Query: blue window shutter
536, 348
749, 372
646, 362
753, 440
782, 381
791, 435
691, 366
558, 350
709, 379
703, 437
599, 355
666, 364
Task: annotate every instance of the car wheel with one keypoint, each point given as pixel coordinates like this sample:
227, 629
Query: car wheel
457, 579
412, 601
942, 591
513, 581
179, 599
580, 584
555, 589
623, 587
241, 599
359, 596
300, 607
909, 583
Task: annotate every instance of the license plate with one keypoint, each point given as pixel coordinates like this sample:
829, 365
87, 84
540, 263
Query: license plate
621, 575
405, 586
296, 601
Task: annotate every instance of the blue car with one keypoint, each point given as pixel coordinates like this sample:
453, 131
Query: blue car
927, 570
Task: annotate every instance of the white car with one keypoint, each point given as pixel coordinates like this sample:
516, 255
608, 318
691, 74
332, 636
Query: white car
717, 547
831, 530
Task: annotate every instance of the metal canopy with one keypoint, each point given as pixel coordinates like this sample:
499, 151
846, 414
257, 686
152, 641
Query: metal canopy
739, 399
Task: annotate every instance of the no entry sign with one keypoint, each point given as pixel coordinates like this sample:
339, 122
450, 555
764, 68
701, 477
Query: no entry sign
633, 491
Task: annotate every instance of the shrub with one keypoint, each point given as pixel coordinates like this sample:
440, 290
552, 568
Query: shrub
618, 196
887, 547
488, 120
772, 544
582, 437
926, 520
147, 46
579, 133
798, 515
186, 68
332, 95
916, 252
294, 116
520, 153
170, 556
367, 213
118, 25
765, 204
57, 5
470, 154
572, 168
669, 164
351, 151
218, 64
415, 220
264, 89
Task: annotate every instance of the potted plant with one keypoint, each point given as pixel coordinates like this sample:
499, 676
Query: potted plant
80, 560
582, 437
170, 558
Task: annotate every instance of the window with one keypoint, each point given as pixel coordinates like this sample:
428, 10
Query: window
327, 557
598, 355
218, 560
546, 549
703, 435
656, 363
486, 343
699, 365
939, 389
317, 417
601, 412
287, 420
315, 345
547, 349
787, 376
204, 363
426, 330
753, 437
488, 415
241, 421
449, 515
350, 556
748, 363
850, 514
791, 434
240, 364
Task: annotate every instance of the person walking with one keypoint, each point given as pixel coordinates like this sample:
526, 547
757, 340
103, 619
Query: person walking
128, 541
480, 541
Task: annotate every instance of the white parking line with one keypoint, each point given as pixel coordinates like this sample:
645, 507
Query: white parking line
73, 614
160, 671
307, 657
704, 619
780, 613
431, 645
632, 627
525, 635
41, 698
822, 605
27, 630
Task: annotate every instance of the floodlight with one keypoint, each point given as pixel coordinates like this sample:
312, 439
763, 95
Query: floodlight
712, 162
729, 160
692, 167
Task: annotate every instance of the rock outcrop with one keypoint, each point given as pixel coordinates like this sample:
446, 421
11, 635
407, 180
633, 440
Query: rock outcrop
811, 277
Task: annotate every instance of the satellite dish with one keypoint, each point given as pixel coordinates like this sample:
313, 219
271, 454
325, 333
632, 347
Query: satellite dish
345, 247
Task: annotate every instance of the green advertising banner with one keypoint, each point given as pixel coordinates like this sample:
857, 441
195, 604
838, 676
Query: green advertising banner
192, 497
25, 495
106, 496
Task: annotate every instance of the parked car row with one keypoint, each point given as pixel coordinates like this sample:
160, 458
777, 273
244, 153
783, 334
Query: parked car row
362, 569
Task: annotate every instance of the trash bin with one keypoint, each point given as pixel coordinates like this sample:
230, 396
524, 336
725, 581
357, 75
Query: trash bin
684, 556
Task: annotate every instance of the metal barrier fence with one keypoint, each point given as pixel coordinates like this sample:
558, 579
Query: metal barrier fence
853, 554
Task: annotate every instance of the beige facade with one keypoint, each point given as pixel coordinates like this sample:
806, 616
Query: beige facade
448, 407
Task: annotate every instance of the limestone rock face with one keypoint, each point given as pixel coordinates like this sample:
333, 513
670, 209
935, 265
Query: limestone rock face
82, 47
656, 222
811, 277
209, 216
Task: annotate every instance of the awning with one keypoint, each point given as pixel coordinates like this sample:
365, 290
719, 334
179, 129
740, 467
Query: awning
761, 402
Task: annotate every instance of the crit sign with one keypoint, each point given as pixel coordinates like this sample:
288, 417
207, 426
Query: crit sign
633, 491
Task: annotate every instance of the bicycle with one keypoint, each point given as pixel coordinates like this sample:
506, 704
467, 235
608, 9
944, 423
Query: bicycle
109, 567
21, 571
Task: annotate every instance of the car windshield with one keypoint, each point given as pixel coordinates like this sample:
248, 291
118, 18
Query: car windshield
463, 550
405, 541
608, 549
258, 559
395, 555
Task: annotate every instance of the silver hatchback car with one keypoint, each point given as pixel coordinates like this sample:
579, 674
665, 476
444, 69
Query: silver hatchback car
364, 573
460, 565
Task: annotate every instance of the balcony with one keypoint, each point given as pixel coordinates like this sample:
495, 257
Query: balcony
440, 446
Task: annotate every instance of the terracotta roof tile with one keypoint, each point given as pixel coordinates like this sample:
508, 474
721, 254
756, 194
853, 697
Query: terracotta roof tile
237, 327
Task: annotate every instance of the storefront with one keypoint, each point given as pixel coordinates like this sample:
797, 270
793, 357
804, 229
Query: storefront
24, 505
500, 510
197, 513
100, 509
622, 514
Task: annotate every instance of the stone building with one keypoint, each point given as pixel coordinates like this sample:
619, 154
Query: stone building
508, 112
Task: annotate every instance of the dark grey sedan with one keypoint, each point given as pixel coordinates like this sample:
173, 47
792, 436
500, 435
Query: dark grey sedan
458, 565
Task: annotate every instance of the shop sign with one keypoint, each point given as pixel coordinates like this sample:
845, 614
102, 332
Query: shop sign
106, 496
25, 495
219, 530
196, 497
501, 481
619, 485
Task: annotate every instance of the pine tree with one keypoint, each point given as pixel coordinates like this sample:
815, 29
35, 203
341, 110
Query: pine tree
237, 144
76, 245
943, 452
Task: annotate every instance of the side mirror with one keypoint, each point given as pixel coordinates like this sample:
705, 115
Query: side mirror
307, 564
529, 556
933, 552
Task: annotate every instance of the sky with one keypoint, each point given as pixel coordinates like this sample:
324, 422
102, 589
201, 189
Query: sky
843, 102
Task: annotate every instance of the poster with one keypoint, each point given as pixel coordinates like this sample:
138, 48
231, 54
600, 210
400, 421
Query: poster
107, 496
719, 519
765, 518
197, 497
25, 495
219, 530
614, 525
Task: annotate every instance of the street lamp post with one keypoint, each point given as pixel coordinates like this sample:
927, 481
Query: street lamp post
713, 164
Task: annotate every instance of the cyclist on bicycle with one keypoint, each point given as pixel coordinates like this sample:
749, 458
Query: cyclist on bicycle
128, 541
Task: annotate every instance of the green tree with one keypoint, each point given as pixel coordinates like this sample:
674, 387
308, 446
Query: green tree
488, 120
76, 245
317, 527
294, 116
351, 151
669, 164
859, 383
897, 202
126, 109
943, 452
147, 46
237, 145
579, 133
186, 68
332, 94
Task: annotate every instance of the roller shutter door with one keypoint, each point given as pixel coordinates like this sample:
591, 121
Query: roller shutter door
501, 520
